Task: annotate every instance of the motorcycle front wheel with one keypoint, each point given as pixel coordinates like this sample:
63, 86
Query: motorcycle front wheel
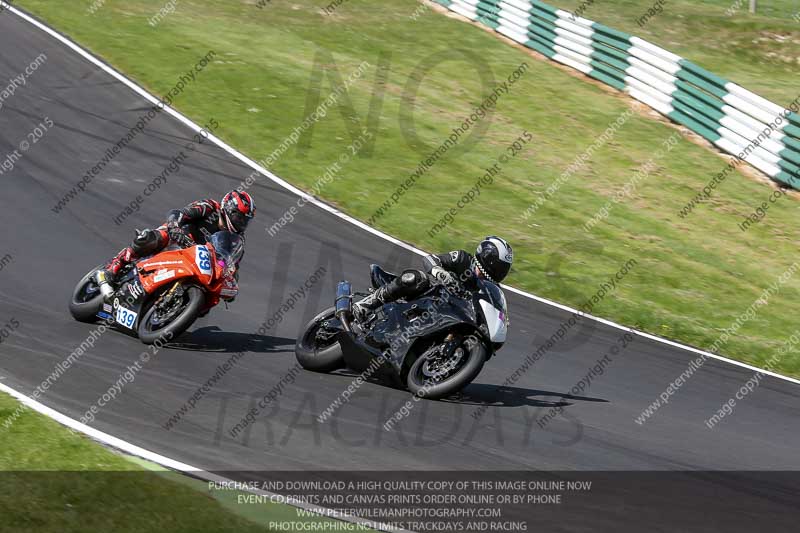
86, 300
434, 377
317, 350
169, 319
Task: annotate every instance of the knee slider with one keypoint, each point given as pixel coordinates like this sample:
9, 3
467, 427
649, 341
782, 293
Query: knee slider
411, 278
145, 243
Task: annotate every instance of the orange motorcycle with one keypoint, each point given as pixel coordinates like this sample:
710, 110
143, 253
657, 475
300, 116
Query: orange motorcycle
161, 296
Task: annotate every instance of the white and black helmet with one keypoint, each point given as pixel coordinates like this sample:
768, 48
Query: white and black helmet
494, 257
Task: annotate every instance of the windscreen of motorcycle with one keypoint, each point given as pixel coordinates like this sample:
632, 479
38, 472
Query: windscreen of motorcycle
228, 246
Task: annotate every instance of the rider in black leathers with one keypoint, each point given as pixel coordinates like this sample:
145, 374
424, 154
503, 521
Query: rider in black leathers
492, 261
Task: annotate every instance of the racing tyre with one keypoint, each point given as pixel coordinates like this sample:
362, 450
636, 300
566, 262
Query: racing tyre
169, 323
319, 353
87, 300
433, 379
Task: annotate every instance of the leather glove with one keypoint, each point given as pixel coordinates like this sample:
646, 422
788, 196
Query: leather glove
177, 235
442, 275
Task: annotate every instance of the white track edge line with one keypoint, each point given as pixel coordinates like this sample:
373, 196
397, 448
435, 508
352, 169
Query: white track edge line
95, 433
255, 166
153, 457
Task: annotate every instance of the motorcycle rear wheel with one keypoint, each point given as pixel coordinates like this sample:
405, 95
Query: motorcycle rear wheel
311, 355
194, 298
418, 384
86, 300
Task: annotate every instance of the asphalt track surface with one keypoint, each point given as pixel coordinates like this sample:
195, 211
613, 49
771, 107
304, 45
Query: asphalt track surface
92, 111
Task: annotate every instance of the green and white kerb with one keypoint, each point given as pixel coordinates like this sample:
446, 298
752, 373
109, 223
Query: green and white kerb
732, 118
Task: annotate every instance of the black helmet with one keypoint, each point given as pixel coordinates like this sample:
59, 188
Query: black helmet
494, 257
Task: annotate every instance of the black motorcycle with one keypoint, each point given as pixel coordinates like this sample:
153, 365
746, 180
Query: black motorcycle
434, 345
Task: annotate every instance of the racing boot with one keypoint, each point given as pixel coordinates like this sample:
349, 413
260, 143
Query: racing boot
107, 277
362, 308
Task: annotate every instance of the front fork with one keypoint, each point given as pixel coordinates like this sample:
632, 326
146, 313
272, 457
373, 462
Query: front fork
166, 297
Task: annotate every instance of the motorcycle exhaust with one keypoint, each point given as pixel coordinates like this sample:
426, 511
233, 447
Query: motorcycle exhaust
344, 303
105, 287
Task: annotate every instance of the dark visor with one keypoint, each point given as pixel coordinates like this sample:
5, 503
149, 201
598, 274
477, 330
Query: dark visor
239, 220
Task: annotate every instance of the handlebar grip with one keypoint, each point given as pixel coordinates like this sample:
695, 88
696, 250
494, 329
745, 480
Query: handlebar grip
185, 241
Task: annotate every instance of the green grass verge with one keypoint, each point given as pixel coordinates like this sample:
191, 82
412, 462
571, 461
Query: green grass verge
694, 276
54, 480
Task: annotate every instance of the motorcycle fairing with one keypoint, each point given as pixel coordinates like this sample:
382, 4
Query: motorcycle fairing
495, 322
492, 303
399, 324
172, 265
359, 356
154, 272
